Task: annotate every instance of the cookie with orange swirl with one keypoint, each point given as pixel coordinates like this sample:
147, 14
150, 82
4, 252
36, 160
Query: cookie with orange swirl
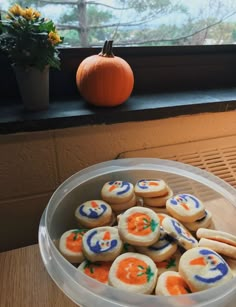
96, 270
139, 226
133, 272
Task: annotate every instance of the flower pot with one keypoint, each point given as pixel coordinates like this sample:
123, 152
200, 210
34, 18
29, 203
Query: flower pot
33, 85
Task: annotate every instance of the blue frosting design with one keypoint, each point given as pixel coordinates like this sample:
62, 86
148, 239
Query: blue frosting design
181, 231
184, 198
144, 186
125, 186
221, 267
100, 246
93, 214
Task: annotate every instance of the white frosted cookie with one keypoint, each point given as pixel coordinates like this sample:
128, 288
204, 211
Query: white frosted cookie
117, 192
185, 208
133, 272
96, 270
170, 264
171, 283
161, 250
204, 222
70, 245
219, 247
102, 244
124, 206
202, 268
159, 201
93, 213
177, 230
216, 235
139, 226
150, 188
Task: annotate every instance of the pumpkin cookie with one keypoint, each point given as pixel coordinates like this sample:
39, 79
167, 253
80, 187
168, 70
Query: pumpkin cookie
102, 244
133, 272
96, 270
94, 213
202, 268
139, 226
185, 208
171, 283
151, 188
176, 230
117, 192
161, 250
70, 245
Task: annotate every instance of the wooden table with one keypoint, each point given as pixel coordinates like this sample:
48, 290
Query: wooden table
24, 282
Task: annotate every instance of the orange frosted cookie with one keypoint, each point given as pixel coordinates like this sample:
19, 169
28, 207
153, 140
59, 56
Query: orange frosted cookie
133, 272
96, 270
117, 192
185, 208
102, 244
70, 245
176, 230
150, 188
159, 201
139, 226
93, 213
161, 250
171, 283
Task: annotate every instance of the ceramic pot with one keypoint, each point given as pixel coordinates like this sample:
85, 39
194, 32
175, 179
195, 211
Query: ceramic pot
33, 85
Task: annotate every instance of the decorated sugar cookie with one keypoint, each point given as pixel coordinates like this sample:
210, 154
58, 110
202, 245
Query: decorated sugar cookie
96, 270
217, 235
139, 226
161, 250
150, 188
133, 272
170, 264
117, 192
202, 268
159, 201
204, 222
176, 230
93, 213
185, 208
102, 244
171, 283
219, 247
70, 245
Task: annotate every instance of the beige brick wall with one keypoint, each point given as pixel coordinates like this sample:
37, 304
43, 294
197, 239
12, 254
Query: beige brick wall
33, 164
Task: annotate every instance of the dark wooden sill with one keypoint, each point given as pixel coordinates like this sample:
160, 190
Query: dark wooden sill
76, 112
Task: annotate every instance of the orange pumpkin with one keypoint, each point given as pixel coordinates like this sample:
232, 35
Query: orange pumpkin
105, 79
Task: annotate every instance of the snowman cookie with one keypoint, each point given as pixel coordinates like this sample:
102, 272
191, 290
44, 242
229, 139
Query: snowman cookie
151, 188
185, 208
117, 192
133, 272
102, 244
202, 269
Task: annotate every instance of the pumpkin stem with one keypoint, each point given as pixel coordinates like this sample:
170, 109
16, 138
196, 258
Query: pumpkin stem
107, 49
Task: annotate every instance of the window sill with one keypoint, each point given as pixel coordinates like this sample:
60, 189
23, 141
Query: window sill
75, 112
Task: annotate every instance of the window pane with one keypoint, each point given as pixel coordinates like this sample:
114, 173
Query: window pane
85, 23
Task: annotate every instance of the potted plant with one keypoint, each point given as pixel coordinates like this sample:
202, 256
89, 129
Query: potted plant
30, 42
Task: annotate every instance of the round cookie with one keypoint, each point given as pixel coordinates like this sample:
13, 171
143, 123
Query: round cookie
124, 206
185, 208
133, 272
171, 283
102, 244
204, 222
176, 230
150, 188
96, 270
93, 213
159, 201
161, 250
219, 247
117, 192
170, 264
70, 245
202, 268
216, 235
139, 226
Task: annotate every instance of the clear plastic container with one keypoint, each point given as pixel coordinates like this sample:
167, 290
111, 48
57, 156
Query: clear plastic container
218, 196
